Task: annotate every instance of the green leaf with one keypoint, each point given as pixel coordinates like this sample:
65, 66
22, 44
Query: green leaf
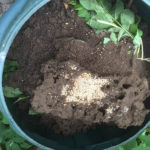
4, 121
145, 139
120, 148
25, 145
100, 14
140, 32
148, 130
137, 39
127, 18
141, 148
121, 32
95, 24
106, 40
78, 7
72, 2
93, 5
113, 29
118, 8
84, 14
2, 127
1, 139
18, 139
10, 92
10, 66
2, 132
133, 29
15, 146
90, 4
130, 145
8, 144
113, 37
107, 5
126, 35
9, 134
5, 76
11, 145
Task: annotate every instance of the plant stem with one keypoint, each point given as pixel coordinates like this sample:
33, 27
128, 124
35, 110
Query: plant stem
142, 50
108, 23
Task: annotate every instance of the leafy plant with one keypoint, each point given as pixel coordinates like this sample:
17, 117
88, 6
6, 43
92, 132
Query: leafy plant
10, 66
10, 92
139, 143
14, 93
120, 22
9, 140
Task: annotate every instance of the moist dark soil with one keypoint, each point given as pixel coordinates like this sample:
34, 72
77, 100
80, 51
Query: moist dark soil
73, 80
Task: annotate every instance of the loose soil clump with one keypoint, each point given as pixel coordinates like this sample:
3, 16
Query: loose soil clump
74, 81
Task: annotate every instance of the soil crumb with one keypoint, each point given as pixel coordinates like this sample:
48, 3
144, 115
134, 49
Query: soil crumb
75, 81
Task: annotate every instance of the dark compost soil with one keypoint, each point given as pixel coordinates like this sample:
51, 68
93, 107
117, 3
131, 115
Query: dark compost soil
74, 80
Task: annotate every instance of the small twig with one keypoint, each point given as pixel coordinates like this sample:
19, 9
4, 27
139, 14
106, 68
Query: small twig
142, 49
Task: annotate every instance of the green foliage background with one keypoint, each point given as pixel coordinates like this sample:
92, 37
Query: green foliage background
9, 140
142, 142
